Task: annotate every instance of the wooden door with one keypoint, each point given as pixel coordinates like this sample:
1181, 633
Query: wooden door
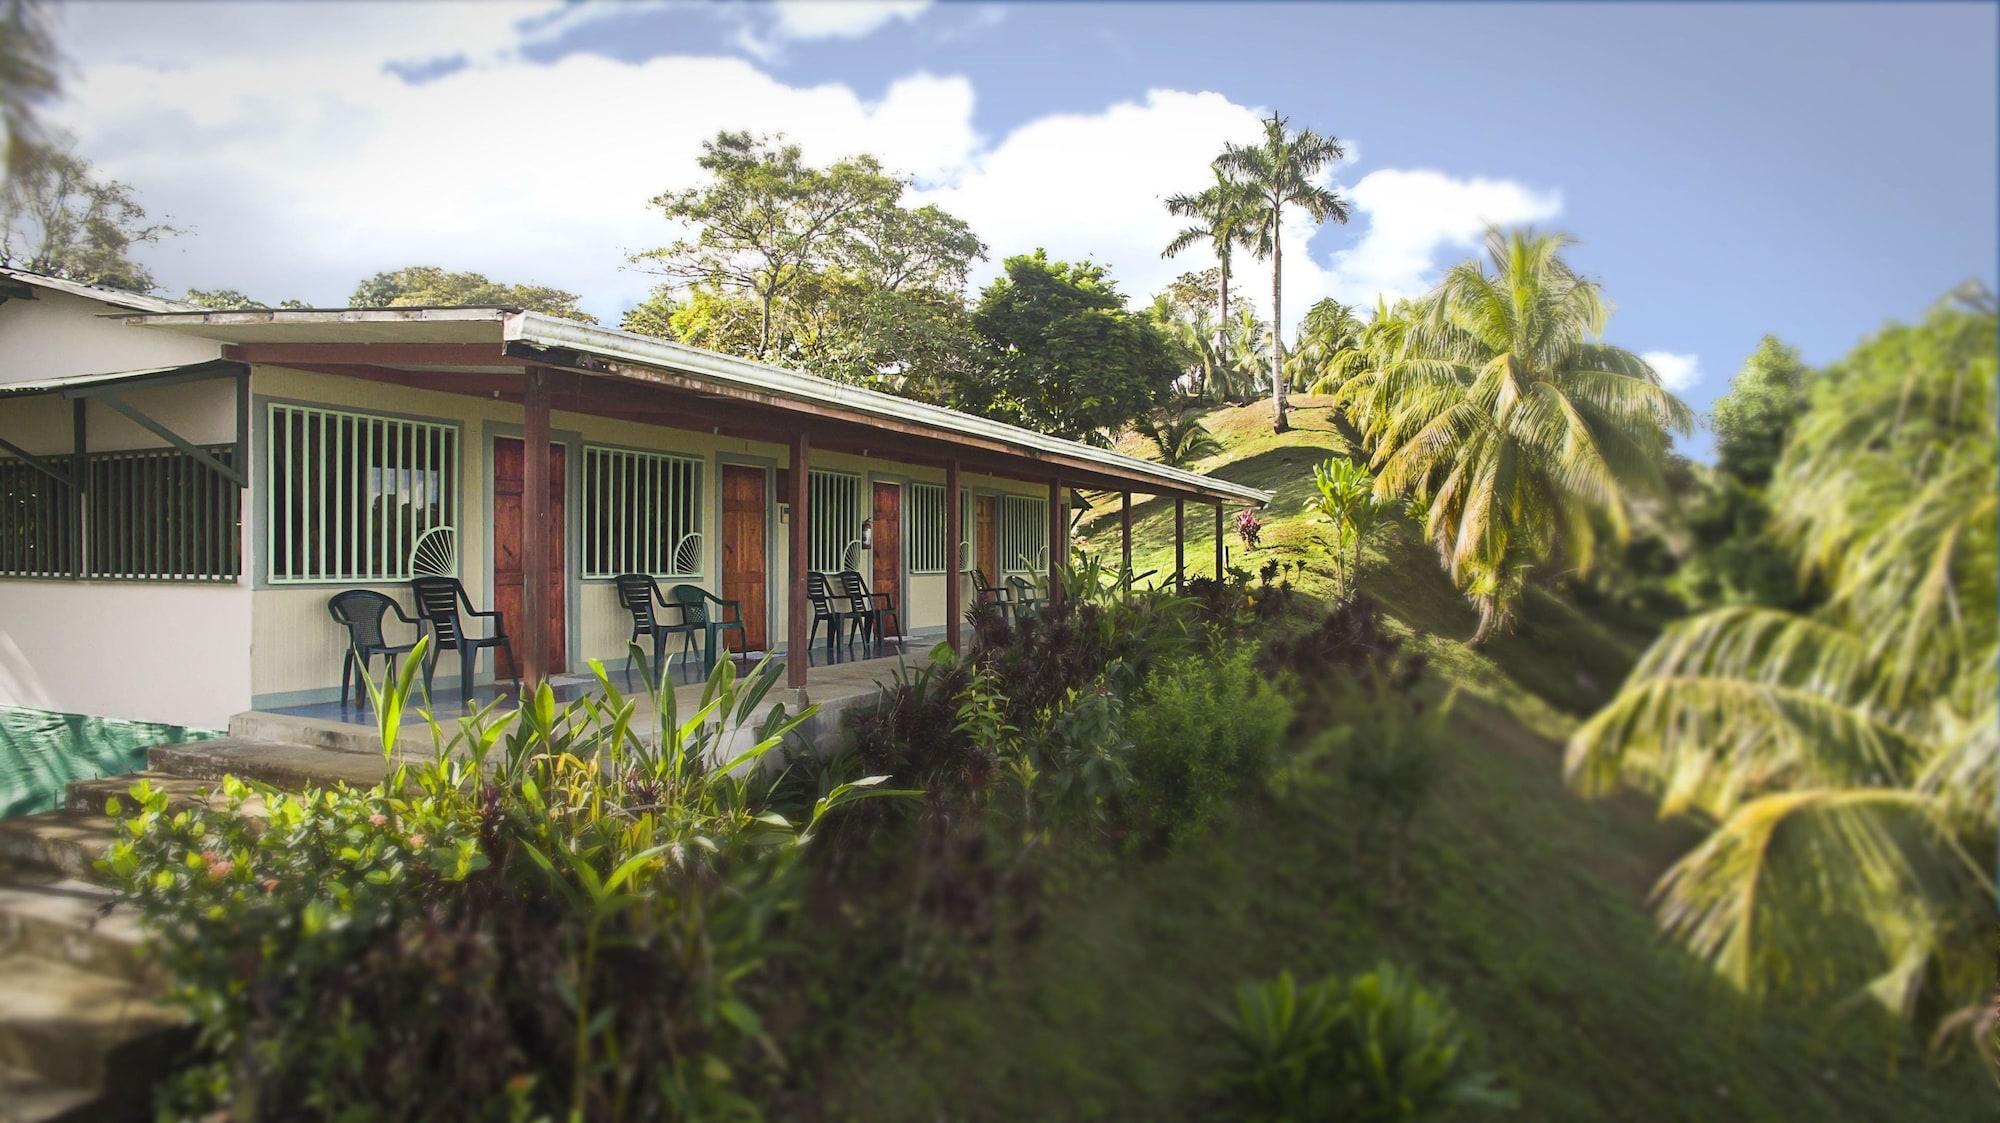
987, 550
507, 587
743, 550
888, 534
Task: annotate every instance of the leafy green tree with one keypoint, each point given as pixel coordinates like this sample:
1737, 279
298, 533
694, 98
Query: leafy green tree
1752, 421
62, 220
1283, 169
1223, 218
1846, 757
223, 299
29, 76
1068, 358
1510, 425
427, 286
896, 248
766, 219
1179, 435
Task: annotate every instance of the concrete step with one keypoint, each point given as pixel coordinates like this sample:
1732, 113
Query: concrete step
258, 726
74, 1028
71, 921
282, 765
91, 795
29, 1099
65, 841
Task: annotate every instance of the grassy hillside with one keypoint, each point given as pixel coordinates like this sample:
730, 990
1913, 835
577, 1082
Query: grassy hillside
1526, 904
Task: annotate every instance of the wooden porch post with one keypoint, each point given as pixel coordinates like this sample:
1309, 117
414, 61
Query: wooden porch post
797, 613
534, 631
1221, 551
1125, 533
1058, 541
1180, 543
954, 563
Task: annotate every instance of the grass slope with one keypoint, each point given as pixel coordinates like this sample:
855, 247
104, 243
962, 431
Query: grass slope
1526, 904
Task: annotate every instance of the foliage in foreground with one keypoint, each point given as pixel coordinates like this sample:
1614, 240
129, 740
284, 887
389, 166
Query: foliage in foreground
1374, 1048
1847, 755
557, 913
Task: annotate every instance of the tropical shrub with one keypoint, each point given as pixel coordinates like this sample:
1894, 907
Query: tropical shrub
1349, 646
1249, 528
1393, 745
1207, 727
1347, 503
1376, 1048
556, 913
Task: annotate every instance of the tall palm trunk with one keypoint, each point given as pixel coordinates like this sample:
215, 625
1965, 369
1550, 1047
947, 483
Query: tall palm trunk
1221, 329
1278, 422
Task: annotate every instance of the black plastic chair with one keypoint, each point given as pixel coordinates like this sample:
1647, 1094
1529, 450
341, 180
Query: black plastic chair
443, 607
640, 595
361, 611
875, 609
693, 601
826, 610
1025, 597
985, 592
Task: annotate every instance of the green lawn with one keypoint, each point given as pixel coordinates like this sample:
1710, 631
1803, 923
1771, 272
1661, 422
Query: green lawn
1526, 904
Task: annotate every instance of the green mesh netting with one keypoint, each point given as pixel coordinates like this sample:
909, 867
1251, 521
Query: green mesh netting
42, 752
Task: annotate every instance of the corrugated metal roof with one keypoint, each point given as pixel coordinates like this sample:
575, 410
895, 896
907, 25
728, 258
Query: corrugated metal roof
71, 381
101, 293
539, 330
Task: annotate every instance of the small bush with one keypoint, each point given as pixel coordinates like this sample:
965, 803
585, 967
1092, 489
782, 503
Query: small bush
1207, 726
1377, 1048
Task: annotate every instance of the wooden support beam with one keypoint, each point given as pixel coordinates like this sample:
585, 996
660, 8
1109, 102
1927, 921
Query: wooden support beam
35, 462
1221, 550
79, 471
236, 475
954, 614
1180, 544
1125, 535
535, 562
374, 354
1058, 541
797, 612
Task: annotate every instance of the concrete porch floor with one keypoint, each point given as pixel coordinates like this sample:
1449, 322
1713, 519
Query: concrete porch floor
352, 728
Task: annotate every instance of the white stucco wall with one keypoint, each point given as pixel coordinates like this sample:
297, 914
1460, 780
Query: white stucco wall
150, 651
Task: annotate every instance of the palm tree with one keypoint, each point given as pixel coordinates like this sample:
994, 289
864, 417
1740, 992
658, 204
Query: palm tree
1329, 348
1223, 220
1379, 342
1511, 427
1179, 434
1244, 358
1196, 338
1847, 758
1281, 169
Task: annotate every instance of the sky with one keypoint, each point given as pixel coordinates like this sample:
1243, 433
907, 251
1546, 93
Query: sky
1807, 170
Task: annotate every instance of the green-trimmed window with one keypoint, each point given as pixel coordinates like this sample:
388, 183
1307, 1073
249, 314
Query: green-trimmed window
1024, 534
350, 493
835, 514
925, 533
641, 513
158, 514
37, 520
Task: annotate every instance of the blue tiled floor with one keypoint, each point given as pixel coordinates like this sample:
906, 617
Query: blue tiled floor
446, 705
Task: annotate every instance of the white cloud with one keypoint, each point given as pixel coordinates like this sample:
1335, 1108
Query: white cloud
1412, 216
1677, 372
841, 19
304, 164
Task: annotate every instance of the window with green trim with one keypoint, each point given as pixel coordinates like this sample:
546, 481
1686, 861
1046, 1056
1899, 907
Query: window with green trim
37, 521
835, 514
641, 513
925, 529
158, 514
1024, 534
349, 494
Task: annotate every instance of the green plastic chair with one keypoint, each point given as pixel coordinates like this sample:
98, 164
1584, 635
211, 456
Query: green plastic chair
694, 601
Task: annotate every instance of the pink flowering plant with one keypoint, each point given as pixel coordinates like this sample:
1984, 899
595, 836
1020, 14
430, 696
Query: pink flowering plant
1249, 527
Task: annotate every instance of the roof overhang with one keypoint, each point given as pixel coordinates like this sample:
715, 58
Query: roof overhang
85, 385
469, 348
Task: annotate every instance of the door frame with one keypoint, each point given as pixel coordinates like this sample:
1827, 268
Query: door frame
772, 587
572, 442
998, 496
